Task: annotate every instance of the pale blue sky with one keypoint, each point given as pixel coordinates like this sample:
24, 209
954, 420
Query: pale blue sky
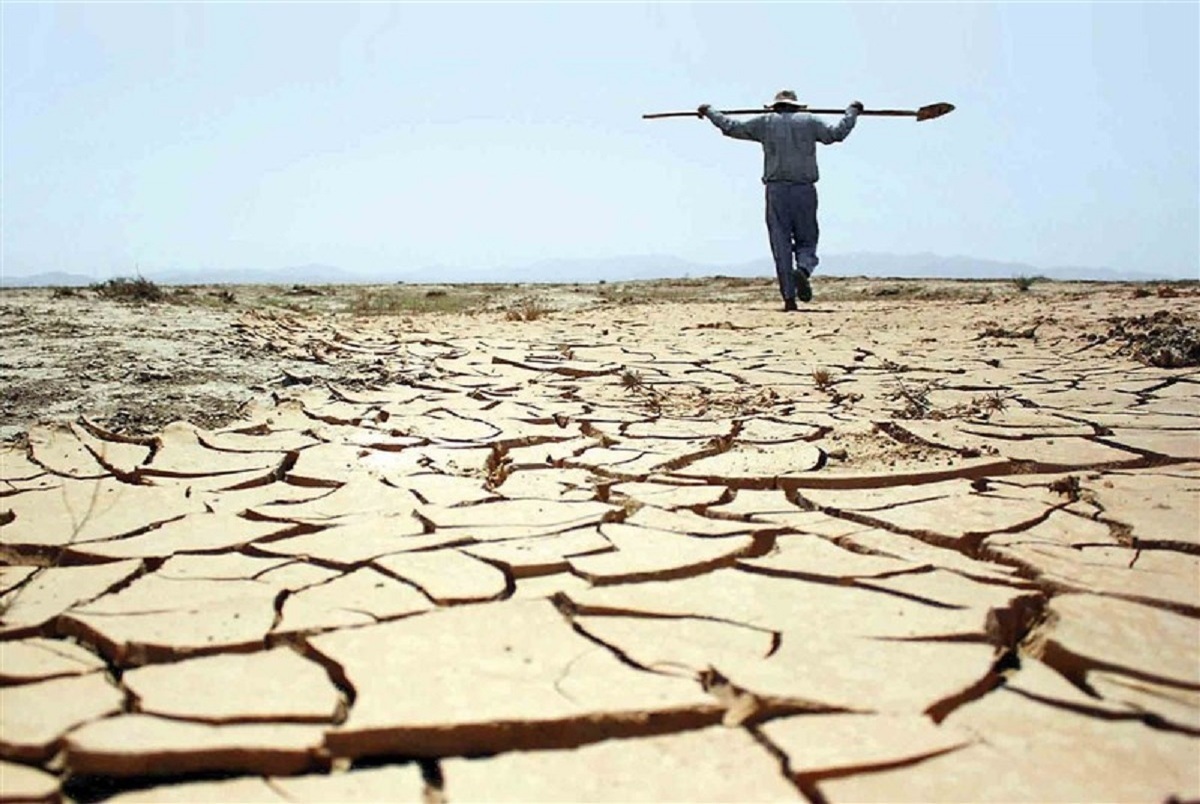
389, 137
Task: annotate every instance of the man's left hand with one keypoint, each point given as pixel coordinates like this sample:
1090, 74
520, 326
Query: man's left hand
702, 109
857, 106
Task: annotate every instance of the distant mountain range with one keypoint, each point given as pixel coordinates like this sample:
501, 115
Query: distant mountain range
299, 274
609, 269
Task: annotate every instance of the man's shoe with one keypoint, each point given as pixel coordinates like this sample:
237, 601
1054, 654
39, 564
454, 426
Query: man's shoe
789, 306
803, 286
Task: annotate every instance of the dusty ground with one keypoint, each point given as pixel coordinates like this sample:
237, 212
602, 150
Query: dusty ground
136, 367
658, 541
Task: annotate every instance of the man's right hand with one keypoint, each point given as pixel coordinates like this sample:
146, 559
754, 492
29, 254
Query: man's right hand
702, 109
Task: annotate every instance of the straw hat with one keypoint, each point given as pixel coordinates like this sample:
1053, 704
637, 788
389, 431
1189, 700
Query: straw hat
786, 97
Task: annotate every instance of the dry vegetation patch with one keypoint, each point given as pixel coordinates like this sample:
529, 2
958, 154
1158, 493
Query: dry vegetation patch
1163, 339
410, 299
180, 352
135, 291
527, 310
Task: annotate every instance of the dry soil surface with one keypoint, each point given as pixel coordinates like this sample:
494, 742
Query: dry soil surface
925, 541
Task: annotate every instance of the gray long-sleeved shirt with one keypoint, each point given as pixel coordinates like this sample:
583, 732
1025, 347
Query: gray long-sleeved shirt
789, 140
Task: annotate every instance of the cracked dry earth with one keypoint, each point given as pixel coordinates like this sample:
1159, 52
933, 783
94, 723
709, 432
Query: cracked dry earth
885, 550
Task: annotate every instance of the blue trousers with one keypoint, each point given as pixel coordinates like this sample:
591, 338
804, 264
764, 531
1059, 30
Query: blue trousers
792, 226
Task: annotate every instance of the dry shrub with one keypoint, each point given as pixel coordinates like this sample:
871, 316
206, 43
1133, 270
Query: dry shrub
632, 380
915, 400
981, 407
303, 290
1068, 486
134, 291
527, 310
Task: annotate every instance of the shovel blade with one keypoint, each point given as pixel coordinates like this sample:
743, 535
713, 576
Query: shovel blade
934, 110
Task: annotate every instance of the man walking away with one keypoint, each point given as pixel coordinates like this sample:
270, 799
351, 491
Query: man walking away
789, 138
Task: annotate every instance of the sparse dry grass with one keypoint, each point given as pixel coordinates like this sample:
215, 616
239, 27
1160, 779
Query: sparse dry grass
409, 300
527, 310
405, 299
983, 406
915, 400
916, 403
193, 297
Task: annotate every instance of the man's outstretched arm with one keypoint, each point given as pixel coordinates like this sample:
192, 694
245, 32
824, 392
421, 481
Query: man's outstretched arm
738, 129
830, 134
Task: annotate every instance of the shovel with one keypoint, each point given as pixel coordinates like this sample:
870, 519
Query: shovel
924, 113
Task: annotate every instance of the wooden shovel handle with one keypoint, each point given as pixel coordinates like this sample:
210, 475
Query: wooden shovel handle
924, 113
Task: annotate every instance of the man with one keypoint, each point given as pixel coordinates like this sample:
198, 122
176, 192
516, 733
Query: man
789, 139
